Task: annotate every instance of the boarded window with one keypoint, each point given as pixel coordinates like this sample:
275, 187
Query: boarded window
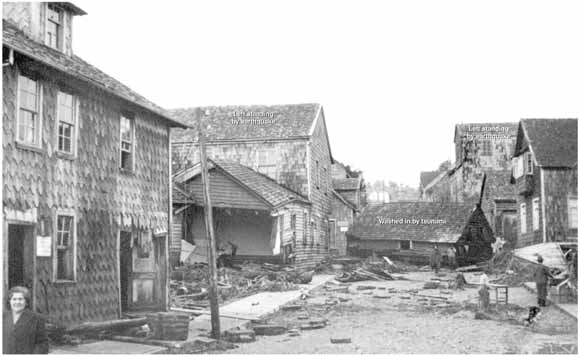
53, 27
66, 123
536, 214
28, 113
523, 222
127, 142
65, 239
529, 163
573, 212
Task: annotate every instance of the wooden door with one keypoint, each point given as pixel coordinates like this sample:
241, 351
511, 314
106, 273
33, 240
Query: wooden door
140, 271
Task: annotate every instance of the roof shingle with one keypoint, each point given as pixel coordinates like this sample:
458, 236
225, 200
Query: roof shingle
249, 122
554, 141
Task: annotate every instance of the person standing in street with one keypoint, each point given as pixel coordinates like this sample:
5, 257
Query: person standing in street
542, 276
23, 331
436, 259
451, 257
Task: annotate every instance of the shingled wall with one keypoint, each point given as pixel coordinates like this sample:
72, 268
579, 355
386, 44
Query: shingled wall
103, 198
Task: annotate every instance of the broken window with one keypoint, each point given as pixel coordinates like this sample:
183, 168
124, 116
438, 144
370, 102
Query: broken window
28, 113
66, 123
65, 240
127, 142
53, 26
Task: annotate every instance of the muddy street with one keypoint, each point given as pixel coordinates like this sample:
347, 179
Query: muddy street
401, 317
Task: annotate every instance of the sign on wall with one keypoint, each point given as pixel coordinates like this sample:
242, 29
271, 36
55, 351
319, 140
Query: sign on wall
43, 246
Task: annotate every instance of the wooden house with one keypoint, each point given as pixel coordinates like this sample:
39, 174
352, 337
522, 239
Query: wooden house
288, 143
86, 173
498, 203
545, 176
263, 219
410, 230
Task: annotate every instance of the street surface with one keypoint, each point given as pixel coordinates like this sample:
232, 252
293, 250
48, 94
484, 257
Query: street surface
396, 317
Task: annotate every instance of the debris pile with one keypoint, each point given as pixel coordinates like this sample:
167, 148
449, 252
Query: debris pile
189, 285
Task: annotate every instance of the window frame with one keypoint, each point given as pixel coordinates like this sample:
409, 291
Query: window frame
528, 163
72, 244
75, 121
37, 115
536, 214
572, 216
131, 118
401, 245
523, 219
59, 26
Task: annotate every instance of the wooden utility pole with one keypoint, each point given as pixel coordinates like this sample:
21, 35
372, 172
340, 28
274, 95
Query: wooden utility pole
213, 291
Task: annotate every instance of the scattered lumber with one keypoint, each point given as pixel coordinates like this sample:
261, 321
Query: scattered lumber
471, 268
106, 325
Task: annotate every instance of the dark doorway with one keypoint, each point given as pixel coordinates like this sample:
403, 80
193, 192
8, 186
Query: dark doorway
16, 237
125, 268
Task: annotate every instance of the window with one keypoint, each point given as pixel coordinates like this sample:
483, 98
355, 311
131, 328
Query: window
573, 212
518, 167
405, 245
317, 176
536, 214
127, 142
523, 222
267, 160
324, 180
65, 248
486, 148
28, 113
66, 115
304, 229
53, 27
529, 163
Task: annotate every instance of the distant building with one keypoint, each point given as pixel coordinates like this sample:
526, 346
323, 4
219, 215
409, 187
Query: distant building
410, 230
545, 177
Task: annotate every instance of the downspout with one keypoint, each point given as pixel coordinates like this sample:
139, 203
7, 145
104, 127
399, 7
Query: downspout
543, 195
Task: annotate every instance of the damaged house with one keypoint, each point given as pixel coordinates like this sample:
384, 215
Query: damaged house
288, 145
545, 176
86, 173
410, 230
250, 211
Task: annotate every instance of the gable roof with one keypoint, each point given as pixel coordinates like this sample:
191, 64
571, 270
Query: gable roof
554, 142
249, 122
259, 184
442, 222
14, 38
344, 200
427, 177
495, 128
346, 183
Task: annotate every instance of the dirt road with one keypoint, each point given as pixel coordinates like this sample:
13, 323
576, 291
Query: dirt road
400, 317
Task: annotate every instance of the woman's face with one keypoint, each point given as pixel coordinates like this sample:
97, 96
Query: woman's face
17, 302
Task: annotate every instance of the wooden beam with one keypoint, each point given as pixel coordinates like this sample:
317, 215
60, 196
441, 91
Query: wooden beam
207, 312
213, 291
106, 325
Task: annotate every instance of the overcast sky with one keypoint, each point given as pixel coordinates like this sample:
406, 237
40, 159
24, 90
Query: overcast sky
394, 77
